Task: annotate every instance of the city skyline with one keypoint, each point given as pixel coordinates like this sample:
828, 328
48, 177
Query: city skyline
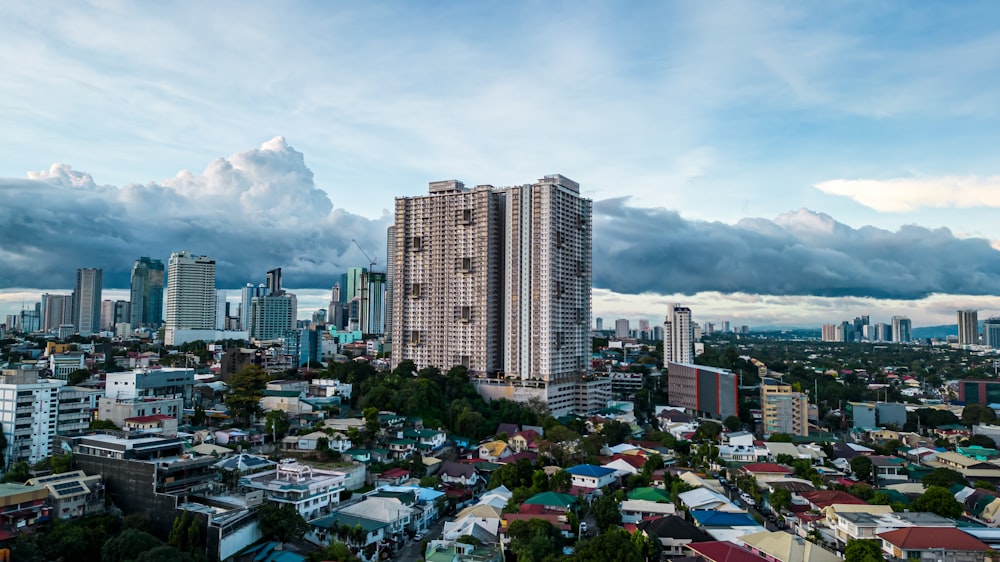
848, 150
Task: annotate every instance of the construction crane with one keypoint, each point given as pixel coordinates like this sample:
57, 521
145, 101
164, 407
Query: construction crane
371, 261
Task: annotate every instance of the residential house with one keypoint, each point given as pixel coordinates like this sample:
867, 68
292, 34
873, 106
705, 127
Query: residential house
458, 474
626, 465
492, 451
646, 503
779, 546
553, 501
947, 543
313, 492
849, 526
703, 498
72, 494
722, 551
22, 508
970, 468
427, 440
401, 448
392, 477
389, 510
591, 477
889, 469
524, 441
674, 534
765, 469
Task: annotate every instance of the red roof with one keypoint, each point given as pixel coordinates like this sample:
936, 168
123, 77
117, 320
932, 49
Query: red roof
149, 419
394, 473
723, 551
635, 460
766, 467
948, 538
826, 498
552, 518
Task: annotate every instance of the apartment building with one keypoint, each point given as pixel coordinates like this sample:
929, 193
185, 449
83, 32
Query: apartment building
784, 410
703, 391
29, 410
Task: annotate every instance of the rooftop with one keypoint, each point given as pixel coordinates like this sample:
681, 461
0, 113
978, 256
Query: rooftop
947, 538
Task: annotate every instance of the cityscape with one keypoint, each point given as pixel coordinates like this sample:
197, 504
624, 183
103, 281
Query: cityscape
708, 283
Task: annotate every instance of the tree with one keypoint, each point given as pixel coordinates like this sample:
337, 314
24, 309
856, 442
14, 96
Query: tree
61, 463
974, 414
606, 512
103, 424
246, 388
534, 540
780, 499
283, 524
780, 438
137, 521
77, 377
616, 432
17, 473
982, 441
939, 500
943, 477
862, 467
863, 551
163, 553
337, 551
198, 418
561, 481
613, 545
708, 430
732, 423
128, 545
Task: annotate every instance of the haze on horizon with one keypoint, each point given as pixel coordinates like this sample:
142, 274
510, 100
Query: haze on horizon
778, 164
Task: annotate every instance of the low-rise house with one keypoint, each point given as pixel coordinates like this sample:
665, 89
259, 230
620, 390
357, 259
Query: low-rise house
427, 440
779, 546
591, 476
401, 448
765, 469
327, 529
72, 494
722, 551
674, 534
743, 453
553, 501
889, 469
819, 500
392, 477
156, 423
948, 543
970, 468
524, 441
492, 451
636, 510
867, 526
292, 402
313, 492
458, 474
22, 508
703, 498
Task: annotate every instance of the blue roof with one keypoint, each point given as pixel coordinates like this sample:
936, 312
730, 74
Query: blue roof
424, 494
712, 518
590, 470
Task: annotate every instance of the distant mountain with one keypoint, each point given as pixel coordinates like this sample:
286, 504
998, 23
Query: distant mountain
939, 332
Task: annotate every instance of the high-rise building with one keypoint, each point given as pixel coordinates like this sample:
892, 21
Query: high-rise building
725, 326
657, 333
87, 301
883, 332
600, 323
621, 328
497, 279
968, 327
355, 281
249, 292
114, 313
29, 411
273, 314
678, 343
56, 311
190, 296
335, 312
901, 329
146, 294
372, 313
390, 249
991, 333
784, 410
829, 333
221, 310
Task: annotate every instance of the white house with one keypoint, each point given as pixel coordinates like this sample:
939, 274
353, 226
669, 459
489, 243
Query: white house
591, 476
634, 511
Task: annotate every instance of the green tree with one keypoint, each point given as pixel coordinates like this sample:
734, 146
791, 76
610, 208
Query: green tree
137, 521
283, 524
61, 463
780, 499
943, 477
615, 545
163, 553
336, 552
128, 545
939, 500
863, 551
708, 430
616, 432
862, 467
974, 414
780, 438
732, 423
276, 423
561, 481
198, 418
103, 424
17, 473
246, 388
534, 540
606, 511
982, 441
77, 377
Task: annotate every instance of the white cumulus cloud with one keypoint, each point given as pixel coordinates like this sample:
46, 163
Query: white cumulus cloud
899, 195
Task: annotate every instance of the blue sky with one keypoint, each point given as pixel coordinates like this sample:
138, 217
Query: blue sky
774, 125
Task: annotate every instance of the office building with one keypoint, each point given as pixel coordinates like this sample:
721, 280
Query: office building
273, 314
372, 313
829, 333
498, 280
247, 295
57, 310
335, 311
114, 313
146, 293
784, 410
389, 275
968, 327
703, 391
991, 333
678, 343
657, 333
221, 310
901, 329
355, 282
87, 301
622, 328
599, 323
883, 332
190, 297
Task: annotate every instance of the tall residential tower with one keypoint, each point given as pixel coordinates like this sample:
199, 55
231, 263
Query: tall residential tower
678, 344
190, 297
87, 301
146, 294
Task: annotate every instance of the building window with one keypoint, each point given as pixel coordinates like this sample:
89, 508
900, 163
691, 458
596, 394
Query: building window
465, 313
415, 291
416, 243
465, 216
415, 337
465, 264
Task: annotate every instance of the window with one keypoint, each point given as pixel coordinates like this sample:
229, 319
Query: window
416, 243
465, 216
465, 264
465, 313
415, 336
415, 291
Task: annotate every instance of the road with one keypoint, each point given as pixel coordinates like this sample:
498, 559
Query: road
412, 549
751, 509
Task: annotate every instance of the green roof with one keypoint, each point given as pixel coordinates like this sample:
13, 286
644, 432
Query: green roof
552, 498
649, 494
402, 442
283, 393
329, 521
421, 432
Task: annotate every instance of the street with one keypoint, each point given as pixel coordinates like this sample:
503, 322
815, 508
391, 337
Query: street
412, 549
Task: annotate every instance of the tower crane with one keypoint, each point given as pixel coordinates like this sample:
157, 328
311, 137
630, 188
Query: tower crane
371, 261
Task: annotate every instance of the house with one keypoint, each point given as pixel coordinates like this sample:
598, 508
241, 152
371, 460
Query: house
743, 453
635, 510
553, 501
889, 469
313, 492
492, 451
392, 477
156, 423
22, 508
723, 551
401, 448
947, 543
970, 468
849, 526
591, 476
738, 438
391, 511
674, 534
427, 440
72, 494
819, 500
328, 529
524, 441
703, 498
626, 465
779, 546
458, 474
765, 469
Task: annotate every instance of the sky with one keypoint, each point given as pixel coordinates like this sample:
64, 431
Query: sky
770, 164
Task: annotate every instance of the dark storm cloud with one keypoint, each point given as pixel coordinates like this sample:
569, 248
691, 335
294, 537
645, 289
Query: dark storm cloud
800, 253
253, 211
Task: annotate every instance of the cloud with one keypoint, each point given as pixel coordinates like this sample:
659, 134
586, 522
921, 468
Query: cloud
252, 211
909, 194
639, 250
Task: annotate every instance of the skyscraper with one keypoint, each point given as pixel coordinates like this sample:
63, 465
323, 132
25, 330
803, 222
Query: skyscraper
600, 323
146, 294
968, 327
678, 344
497, 279
621, 328
373, 303
87, 301
900, 329
390, 248
249, 292
991, 333
190, 296
57, 310
335, 312
273, 314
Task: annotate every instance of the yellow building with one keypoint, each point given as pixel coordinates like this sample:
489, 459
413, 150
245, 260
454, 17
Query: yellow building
785, 411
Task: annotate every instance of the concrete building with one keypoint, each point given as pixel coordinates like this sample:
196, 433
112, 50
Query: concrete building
190, 297
968, 327
869, 415
704, 391
72, 494
901, 327
87, 301
313, 492
166, 382
622, 328
678, 343
56, 311
77, 406
829, 333
991, 333
372, 308
271, 316
498, 280
29, 409
784, 410
146, 293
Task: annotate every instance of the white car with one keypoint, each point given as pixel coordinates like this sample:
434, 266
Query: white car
418, 536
